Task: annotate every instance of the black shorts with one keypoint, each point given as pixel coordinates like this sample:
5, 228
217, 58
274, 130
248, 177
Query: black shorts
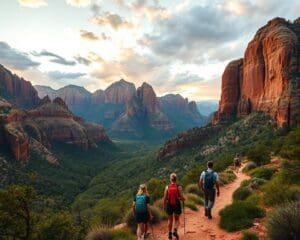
142, 217
173, 209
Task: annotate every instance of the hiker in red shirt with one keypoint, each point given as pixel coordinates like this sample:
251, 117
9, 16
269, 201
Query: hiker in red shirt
172, 197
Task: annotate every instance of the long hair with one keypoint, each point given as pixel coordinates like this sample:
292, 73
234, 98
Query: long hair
142, 190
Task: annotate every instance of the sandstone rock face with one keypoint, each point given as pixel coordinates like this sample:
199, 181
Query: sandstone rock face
98, 97
119, 92
74, 95
16, 90
44, 91
267, 79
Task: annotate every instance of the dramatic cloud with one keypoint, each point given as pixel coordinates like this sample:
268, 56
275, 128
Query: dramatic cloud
188, 35
92, 36
144, 7
79, 3
65, 75
13, 58
83, 60
54, 58
114, 20
33, 3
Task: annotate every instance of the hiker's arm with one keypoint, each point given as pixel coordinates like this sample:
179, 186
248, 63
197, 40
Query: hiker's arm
165, 196
201, 184
133, 207
218, 185
149, 211
182, 198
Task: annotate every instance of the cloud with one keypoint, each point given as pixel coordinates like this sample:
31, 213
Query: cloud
144, 7
78, 3
92, 36
83, 60
33, 3
55, 58
64, 75
114, 20
187, 35
15, 59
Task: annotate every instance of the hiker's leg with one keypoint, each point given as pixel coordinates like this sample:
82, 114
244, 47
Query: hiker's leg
139, 230
176, 224
211, 199
170, 222
146, 227
206, 198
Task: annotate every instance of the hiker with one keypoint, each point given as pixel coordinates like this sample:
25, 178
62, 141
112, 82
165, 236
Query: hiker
172, 197
142, 211
209, 182
237, 163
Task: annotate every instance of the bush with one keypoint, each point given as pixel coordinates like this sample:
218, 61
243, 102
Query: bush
290, 148
223, 162
249, 166
276, 192
255, 199
262, 172
109, 234
227, 177
156, 188
247, 235
159, 204
241, 193
239, 215
259, 154
284, 222
193, 188
191, 205
290, 172
195, 198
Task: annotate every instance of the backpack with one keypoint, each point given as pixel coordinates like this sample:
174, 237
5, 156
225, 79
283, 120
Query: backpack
173, 194
140, 204
209, 180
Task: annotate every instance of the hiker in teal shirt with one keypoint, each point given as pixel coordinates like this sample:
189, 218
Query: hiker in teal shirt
142, 211
209, 182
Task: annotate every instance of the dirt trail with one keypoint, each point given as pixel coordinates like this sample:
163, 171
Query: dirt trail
198, 226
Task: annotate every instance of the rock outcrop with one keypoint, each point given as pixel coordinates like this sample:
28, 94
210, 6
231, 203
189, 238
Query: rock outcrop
267, 79
17, 90
119, 92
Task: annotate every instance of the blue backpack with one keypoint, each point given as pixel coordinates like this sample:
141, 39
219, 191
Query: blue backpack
209, 180
140, 204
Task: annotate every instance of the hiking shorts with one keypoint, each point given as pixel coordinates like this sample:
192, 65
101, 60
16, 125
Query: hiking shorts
142, 217
173, 209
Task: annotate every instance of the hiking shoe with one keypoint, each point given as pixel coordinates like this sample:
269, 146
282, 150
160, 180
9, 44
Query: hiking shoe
206, 212
146, 235
175, 234
170, 235
209, 214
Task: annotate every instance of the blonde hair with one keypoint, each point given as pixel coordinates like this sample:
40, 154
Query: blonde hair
142, 190
173, 177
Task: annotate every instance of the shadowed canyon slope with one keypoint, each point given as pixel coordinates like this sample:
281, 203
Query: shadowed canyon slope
267, 78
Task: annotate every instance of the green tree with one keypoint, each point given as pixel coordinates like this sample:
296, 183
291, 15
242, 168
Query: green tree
16, 217
156, 188
291, 143
259, 154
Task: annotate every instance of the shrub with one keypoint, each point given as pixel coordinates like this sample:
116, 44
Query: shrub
191, 205
156, 215
156, 188
290, 148
262, 172
193, 188
255, 199
99, 234
195, 198
227, 177
284, 222
277, 192
290, 172
123, 234
241, 193
223, 162
259, 154
249, 166
239, 215
248, 235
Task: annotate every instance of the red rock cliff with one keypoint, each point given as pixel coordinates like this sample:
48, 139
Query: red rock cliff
267, 78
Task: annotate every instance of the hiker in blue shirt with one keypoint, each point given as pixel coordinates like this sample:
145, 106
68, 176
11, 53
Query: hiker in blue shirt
209, 182
142, 211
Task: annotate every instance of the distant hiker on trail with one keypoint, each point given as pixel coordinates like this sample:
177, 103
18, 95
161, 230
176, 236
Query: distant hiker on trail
209, 179
172, 197
237, 163
142, 211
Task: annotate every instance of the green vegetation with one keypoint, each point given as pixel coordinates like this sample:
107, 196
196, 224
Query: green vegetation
248, 235
259, 154
262, 172
290, 148
239, 215
109, 234
241, 193
249, 166
284, 222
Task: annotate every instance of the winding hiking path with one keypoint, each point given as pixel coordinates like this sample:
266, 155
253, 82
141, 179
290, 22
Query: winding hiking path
198, 227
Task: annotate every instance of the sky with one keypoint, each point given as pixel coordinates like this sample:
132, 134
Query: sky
177, 46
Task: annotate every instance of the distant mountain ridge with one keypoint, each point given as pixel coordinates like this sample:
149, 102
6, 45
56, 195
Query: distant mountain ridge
131, 112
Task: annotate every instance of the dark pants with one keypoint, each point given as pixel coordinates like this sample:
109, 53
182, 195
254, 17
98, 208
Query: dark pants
209, 198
